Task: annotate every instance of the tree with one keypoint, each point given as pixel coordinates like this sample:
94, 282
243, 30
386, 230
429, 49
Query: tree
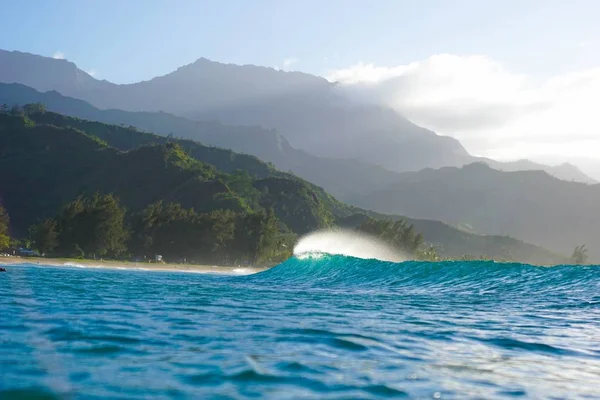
259, 233
580, 255
175, 232
110, 232
269, 245
34, 108
44, 236
397, 233
93, 225
430, 253
4, 224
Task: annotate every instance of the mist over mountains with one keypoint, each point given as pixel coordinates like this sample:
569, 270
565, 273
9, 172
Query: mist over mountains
530, 205
310, 112
362, 153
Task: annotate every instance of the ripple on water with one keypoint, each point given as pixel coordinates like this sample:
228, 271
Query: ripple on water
331, 327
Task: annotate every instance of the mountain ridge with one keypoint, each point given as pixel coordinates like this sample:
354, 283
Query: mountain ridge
342, 177
531, 205
306, 109
30, 156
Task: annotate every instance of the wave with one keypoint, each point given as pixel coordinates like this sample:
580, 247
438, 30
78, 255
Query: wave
347, 243
327, 270
75, 265
92, 266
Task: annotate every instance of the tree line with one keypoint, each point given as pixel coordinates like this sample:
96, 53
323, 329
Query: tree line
99, 227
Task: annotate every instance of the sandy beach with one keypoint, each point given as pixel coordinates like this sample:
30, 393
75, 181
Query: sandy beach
58, 262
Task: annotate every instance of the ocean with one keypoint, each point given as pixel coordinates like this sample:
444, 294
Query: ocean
318, 327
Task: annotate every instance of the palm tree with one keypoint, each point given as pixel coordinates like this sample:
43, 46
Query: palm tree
580, 255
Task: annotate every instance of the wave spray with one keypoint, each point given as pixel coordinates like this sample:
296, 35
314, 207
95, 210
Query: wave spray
347, 243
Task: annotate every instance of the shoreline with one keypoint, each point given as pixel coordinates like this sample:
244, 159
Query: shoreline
121, 265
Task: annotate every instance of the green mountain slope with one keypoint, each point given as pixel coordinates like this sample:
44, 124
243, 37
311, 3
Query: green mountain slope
344, 178
309, 111
44, 166
341, 177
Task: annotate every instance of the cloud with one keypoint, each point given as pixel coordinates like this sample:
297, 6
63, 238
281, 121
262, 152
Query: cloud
288, 62
92, 72
59, 55
493, 111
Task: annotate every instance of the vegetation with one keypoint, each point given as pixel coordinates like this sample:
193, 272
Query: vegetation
166, 184
530, 205
44, 236
93, 226
98, 226
220, 236
4, 224
398, 233
63, 163
179, 207
429, 253
402, 235
444, 242
580, 255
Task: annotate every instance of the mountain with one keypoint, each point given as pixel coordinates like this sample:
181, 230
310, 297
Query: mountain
344, 178
564, 171
457, 243
531, 205
589, 166
46, 159
43, 166
309, 111
341, 177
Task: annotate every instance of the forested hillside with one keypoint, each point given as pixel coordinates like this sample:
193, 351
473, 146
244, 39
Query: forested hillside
48, 160
342, 177
50, 165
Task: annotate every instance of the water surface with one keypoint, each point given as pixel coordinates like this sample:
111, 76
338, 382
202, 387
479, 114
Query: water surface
318, 327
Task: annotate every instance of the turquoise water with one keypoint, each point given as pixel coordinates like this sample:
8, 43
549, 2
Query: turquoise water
328, 327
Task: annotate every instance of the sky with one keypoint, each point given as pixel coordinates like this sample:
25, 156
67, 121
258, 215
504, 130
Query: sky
510, 79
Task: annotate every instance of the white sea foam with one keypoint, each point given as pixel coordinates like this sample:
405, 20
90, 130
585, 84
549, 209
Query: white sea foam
346, 243
70, 264
76, 265
243, 271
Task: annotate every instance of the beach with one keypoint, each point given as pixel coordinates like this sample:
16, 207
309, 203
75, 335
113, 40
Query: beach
144, 266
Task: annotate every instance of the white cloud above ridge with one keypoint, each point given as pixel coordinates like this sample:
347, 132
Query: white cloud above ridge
58, 55
493, 111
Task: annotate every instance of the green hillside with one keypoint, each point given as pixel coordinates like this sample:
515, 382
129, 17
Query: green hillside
45, 166
47, 160
340, 177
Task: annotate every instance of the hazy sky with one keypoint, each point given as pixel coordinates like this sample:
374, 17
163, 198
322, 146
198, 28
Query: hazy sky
509, 78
